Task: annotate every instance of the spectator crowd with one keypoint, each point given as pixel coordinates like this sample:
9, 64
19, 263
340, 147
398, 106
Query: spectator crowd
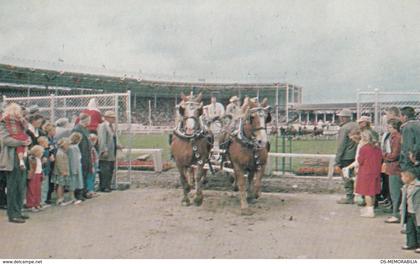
383, 173
44, 163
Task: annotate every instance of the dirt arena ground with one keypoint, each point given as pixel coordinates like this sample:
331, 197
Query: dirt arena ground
151, 223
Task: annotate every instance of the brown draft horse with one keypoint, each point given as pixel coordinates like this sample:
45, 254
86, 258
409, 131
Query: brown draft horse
190, 147
249, 147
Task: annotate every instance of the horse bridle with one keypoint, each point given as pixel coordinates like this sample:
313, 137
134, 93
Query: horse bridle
250, 142
198, 130
258, 109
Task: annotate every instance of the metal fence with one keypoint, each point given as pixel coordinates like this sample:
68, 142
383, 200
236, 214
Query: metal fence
54, 107
375, 103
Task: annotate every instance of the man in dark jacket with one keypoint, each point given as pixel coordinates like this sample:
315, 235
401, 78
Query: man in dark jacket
346, 151
16, 178
85, 150
410, 148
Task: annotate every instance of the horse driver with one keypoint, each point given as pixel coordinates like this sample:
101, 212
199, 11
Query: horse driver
233, 110
213, 114
214, 110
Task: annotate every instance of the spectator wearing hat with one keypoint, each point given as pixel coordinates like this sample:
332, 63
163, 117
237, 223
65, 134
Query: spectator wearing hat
346, 152
107, 141
63, 128
410, 148
16, 178
233, 109
85, 148
95, 116
365, 123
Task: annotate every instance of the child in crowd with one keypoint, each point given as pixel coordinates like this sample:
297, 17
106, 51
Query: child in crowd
355, 136
61, 170
369, 174
46, 167
90, 181
50, 130
76, 176
15, 125
35, 175
410, 209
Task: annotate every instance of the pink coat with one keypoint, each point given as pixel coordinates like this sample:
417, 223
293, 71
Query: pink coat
369, 176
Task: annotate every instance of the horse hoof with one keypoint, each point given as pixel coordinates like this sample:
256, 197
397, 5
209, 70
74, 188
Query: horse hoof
185, 202
235, 188
231, 179
251, 200
198, 201
246, 211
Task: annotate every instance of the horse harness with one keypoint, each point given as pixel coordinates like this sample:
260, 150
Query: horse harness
193, 138
249, 143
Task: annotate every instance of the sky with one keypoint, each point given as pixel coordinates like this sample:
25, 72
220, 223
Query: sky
330, 48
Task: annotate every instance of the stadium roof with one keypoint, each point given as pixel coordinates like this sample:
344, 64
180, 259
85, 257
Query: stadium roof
51, 78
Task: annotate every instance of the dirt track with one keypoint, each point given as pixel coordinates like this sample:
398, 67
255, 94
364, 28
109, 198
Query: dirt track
150, 223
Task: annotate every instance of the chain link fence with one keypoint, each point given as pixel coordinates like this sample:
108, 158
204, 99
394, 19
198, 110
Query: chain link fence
69, 106
376, 103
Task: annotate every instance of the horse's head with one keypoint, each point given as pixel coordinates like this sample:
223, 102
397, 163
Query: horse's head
256, 116
190, 109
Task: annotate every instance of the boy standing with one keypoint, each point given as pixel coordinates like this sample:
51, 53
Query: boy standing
410, 209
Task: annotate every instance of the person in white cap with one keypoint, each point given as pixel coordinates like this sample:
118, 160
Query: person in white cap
107, 141
346, 152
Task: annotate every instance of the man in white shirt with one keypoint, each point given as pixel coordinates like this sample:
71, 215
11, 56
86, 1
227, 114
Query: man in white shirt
214, 109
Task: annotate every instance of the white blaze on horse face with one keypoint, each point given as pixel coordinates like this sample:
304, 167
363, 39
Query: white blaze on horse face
261, 134
190, 125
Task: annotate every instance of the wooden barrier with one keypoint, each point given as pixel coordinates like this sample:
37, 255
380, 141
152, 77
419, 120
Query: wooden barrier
329, 157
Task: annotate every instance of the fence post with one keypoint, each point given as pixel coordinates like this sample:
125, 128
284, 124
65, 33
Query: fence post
52, 107
358, 104
331, 168
129, 134
114, 177
283, 159
376, 113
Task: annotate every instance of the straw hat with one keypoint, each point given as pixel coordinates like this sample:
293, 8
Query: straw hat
110, 114
345, 112
364, 119
234, 99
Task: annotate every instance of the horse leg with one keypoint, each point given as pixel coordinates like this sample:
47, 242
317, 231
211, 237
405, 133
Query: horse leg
234, 183
258, 180
198, 200
185, 186
250, 192
239, 174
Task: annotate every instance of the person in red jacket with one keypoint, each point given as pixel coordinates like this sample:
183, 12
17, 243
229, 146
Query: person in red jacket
95, 116
369, 175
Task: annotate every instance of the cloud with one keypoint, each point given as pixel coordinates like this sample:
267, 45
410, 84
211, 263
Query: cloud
331, 48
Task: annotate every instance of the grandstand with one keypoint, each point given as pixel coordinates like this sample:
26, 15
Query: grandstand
152, 101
